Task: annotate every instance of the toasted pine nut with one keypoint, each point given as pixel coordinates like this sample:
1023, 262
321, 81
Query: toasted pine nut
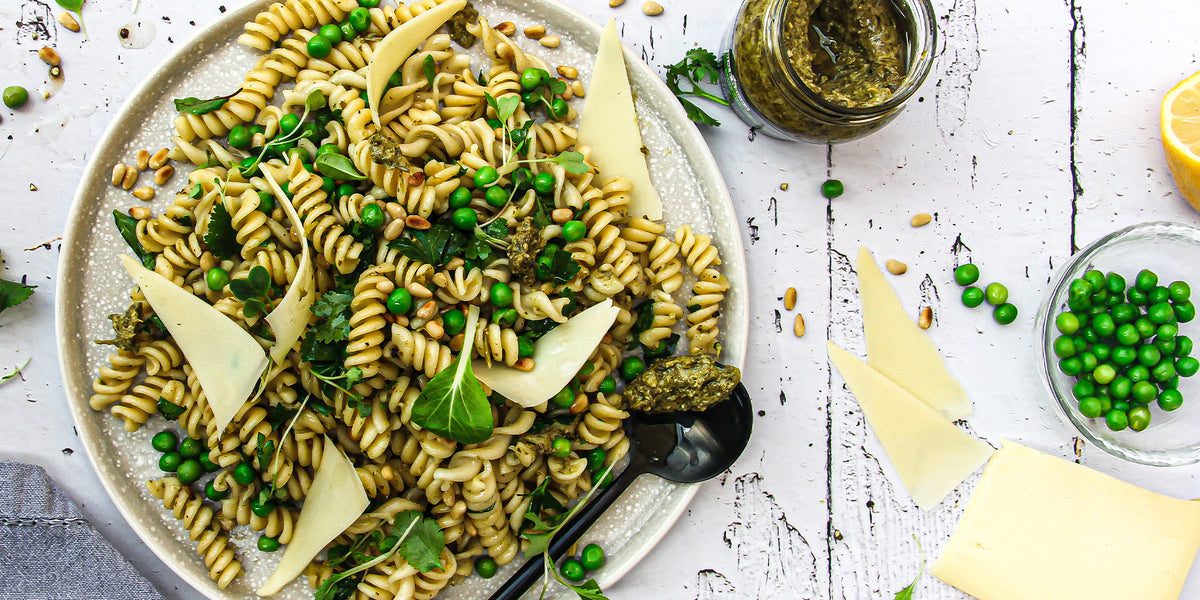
561, 215
395, 210
401, 320
67, 20
393, 230
258, 140
441, 279
579, 405
164, 174
427, 310
435, 330
550, 41
158, 159
789, 298
208, 261
143, 160
567, 93
926, 318
385, 286
507, 28
118, 174
416, 178
921, 220
131, 177
896, 267
456, 342
523, 364
139, 212
417, 222
568, 71
419, 291
455, 263
652, 8
798, 326
144, 193
535, 32
49, 56
615, 3
577, 88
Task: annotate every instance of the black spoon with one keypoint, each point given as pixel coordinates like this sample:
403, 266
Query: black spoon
683, 447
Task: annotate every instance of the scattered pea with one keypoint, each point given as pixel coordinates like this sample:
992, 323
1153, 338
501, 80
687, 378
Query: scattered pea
170, 462
268, 544
1005, 313
972, 297
832, 188
592, 557
571, 569
164, 441
485, 567
561, 447
996, 294
966, 274
15, 96
189, 471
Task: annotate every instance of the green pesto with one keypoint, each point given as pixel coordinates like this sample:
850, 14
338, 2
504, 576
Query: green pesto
692, 382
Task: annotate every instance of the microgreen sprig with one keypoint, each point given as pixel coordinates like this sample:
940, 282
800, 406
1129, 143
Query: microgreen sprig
15, 372
698, 66
314, 101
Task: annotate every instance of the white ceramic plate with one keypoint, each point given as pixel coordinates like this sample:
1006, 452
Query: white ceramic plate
92, 284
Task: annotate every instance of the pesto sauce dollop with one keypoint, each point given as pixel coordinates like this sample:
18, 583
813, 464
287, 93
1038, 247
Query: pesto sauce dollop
691, 382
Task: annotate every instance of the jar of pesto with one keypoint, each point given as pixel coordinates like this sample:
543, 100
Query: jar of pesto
826, 70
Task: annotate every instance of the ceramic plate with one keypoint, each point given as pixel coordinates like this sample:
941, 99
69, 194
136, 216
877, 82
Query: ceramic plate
93, 285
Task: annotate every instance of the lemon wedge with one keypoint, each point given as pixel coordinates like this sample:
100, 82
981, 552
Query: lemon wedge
1180, 119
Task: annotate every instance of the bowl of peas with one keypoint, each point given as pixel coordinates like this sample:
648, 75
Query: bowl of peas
1119, 331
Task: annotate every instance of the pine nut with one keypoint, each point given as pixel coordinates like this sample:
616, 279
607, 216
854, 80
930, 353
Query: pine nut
393, 230
535, 32
523, 364
427, 310
456, 342
561, 215
896, 267
579, 405
118, 174
139, 212
385, 286
143, 160
258, 140
789, 298
615, 3
435, 330
568, 72
208, 261
926, 318
144, 193
417, 222
577, 88
550, 41
158, 159
395, 210
921, 220
131, 177
441, 280
798, 326
416, 178
419, 291
507, 28
652, 8
783, 187
567, 93
66, 20
401, 320
49, 56
164, 174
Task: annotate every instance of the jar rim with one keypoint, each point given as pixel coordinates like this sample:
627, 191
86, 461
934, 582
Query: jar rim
922, 21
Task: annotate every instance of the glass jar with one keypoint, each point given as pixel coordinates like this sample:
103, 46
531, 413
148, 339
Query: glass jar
767, 91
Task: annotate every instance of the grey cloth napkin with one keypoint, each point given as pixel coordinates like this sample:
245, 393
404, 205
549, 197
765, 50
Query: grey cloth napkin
48, 550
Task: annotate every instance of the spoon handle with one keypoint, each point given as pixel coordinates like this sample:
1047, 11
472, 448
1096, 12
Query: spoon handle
532, 570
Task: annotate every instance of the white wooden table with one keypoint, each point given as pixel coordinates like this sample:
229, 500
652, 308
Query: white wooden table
1036, 132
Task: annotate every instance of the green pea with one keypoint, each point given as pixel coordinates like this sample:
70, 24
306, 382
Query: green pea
1139, 418
996, 294
239, 137
1103, 392
368, 3
453, 321
972, 297
533, 77
164, 441
1079, 288
967, 274
1149, 355
1114, 300
1097, 279
1098, 309
595, 458
191, 448
261, 509
1163, 371
460, 197
506, 317
559, 109
592, 557
1185, 311
1064, 347
1088, 361
486, 176
485, 566
1069, 366
400, 301
328, 186
1138, 373
268, 544
1114, 283
571, 569
1127, 335
256, 130
248, 166
500, 295
1145, 281
1170, 400
524, 346
1081, 345
1167, 331
212, 493
1158, 294
1184, 345
1143, 392
330, 32
1136, 296
1123, 356
1124, 313
347, 30
266, 202
543, 183
244, 474
1160, 313
1103, 325
360, 19
608, 385
15, 96
564, 398
346, 189
1091, 407
208, 464
1005, 313
372, 216
1079, 303
573, 231
633, 366
288, 123
170, 461
1167, 347
1105, 405
1187, 366
1145, 328
1102, 351
522, 179
464, 218
1116, 419
1104, 374
1179, 291
495, 196
832, 188
598, 481
1067, 323
1120, 388
189, 471
1082, 389
561, 447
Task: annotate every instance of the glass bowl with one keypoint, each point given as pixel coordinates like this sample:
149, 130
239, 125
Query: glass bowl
1171, 250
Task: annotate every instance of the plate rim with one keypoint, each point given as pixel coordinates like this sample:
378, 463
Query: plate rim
642, 75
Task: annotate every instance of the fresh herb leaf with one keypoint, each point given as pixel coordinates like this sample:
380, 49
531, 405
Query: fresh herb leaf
571, 161
453, 404
254, 291
332, 303
197, 191
221, 237
337, 166
364, 235
429, 68
127, 225
588, 590
196, 106
13, 293
557, 86
505, 106
170, 410
486, 241
423, 545
907, 592
520, 136
645, 317
665, 348
314, 101
15, 372
435, 246
75, 6
563, 267
698, 66
536, 329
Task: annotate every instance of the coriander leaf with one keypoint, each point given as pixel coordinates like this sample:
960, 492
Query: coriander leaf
197, 191
435, 246
332, 303
13, 293
453, 404
221, 237
588, 590
477, 250
699, 116
645, 317
170, 410
571, 161
364, 235
197, 106
698, 66
15, 372
429, 68
423, 545
127, 225
337, 166
536, 329
563, 267
703, 65
264, 451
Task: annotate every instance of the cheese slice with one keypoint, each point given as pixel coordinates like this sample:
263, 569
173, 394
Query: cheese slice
397, 46
609, 126
227, 360
335, 500
929, 453
291, 316
1042, 528
557, 358
902, 351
